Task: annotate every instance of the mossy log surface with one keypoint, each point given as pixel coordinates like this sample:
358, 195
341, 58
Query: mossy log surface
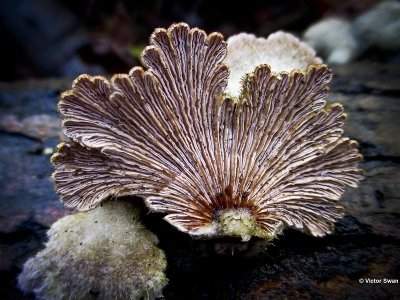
365, 244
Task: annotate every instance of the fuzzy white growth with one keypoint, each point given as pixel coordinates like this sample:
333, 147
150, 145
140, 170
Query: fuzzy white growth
282, 51
104, 254
334, 39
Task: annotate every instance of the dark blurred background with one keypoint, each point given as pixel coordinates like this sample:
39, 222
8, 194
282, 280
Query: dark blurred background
54, 38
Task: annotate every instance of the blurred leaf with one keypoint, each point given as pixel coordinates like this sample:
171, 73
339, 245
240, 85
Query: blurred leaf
136, 51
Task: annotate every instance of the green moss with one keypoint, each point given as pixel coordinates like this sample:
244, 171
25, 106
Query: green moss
137, 51
101, 254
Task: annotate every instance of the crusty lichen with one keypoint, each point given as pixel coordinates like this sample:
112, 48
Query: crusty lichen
104, 254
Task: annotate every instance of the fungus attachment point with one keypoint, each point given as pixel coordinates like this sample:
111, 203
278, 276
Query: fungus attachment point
237, 222
181, 130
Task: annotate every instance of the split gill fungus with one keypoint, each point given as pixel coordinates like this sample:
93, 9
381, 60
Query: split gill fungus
226, 138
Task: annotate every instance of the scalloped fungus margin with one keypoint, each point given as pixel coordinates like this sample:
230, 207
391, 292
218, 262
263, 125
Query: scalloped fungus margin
274, 157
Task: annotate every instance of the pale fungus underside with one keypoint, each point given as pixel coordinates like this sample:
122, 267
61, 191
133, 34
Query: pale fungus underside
282, 51
217, 164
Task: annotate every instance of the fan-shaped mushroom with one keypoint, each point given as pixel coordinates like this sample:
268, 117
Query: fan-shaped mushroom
217, 159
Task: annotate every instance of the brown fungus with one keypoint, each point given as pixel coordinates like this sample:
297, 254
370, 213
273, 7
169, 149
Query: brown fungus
217, 164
